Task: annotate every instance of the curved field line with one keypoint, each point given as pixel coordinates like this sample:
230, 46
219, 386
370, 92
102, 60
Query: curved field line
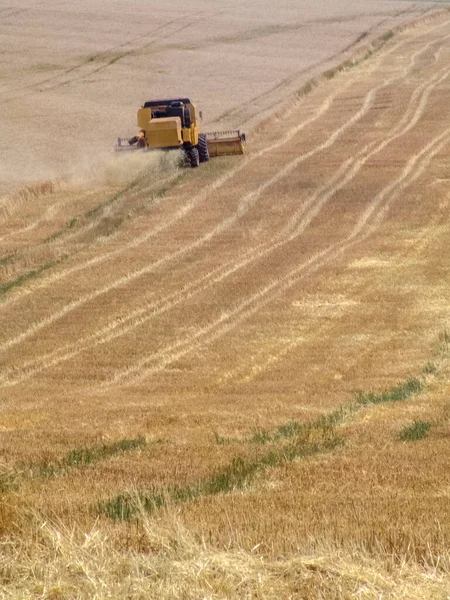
4, 95
293, 229
49, 212
101, 68
240, 109
250, 306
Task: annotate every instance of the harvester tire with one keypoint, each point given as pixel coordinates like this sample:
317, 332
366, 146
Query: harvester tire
203, 148
193, 156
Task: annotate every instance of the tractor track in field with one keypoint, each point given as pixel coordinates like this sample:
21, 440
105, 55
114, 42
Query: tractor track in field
94, 72
74, 71
370, 219
241, 113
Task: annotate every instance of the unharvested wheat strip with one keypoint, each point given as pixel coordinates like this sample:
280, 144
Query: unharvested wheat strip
250, 306
180, 214
299, 229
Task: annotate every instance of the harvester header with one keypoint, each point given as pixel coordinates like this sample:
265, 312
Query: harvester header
175, 123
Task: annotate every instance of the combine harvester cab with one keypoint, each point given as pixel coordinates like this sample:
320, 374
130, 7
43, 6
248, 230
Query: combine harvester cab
174, 124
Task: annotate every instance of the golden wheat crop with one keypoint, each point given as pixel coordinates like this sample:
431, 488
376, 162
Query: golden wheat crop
233, 382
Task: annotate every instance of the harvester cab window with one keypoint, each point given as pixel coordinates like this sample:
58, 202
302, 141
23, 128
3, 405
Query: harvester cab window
187, 117
176, 109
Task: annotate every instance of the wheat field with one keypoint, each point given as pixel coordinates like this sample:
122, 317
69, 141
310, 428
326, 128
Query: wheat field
231, 382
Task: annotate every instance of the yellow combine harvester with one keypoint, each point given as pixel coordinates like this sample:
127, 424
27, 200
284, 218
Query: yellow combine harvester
174, 123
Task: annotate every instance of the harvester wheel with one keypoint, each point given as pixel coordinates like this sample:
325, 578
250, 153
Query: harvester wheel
193, 156
203, 148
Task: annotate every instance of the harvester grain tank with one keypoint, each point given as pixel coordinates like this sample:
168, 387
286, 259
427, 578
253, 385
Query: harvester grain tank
175, 123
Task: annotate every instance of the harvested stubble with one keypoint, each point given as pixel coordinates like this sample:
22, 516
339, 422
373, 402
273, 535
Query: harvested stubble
66, 563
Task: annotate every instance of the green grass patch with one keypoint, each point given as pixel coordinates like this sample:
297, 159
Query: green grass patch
19, 281
8, 259
331, 73
261, 436
429, 369
8, 479
292, 429
417, 431
105, 58
57, 234
387, 36
78, 458
399, 393
221, 440
306, 89
328, 423
239, 473
444, 343
288, 442
84, 457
